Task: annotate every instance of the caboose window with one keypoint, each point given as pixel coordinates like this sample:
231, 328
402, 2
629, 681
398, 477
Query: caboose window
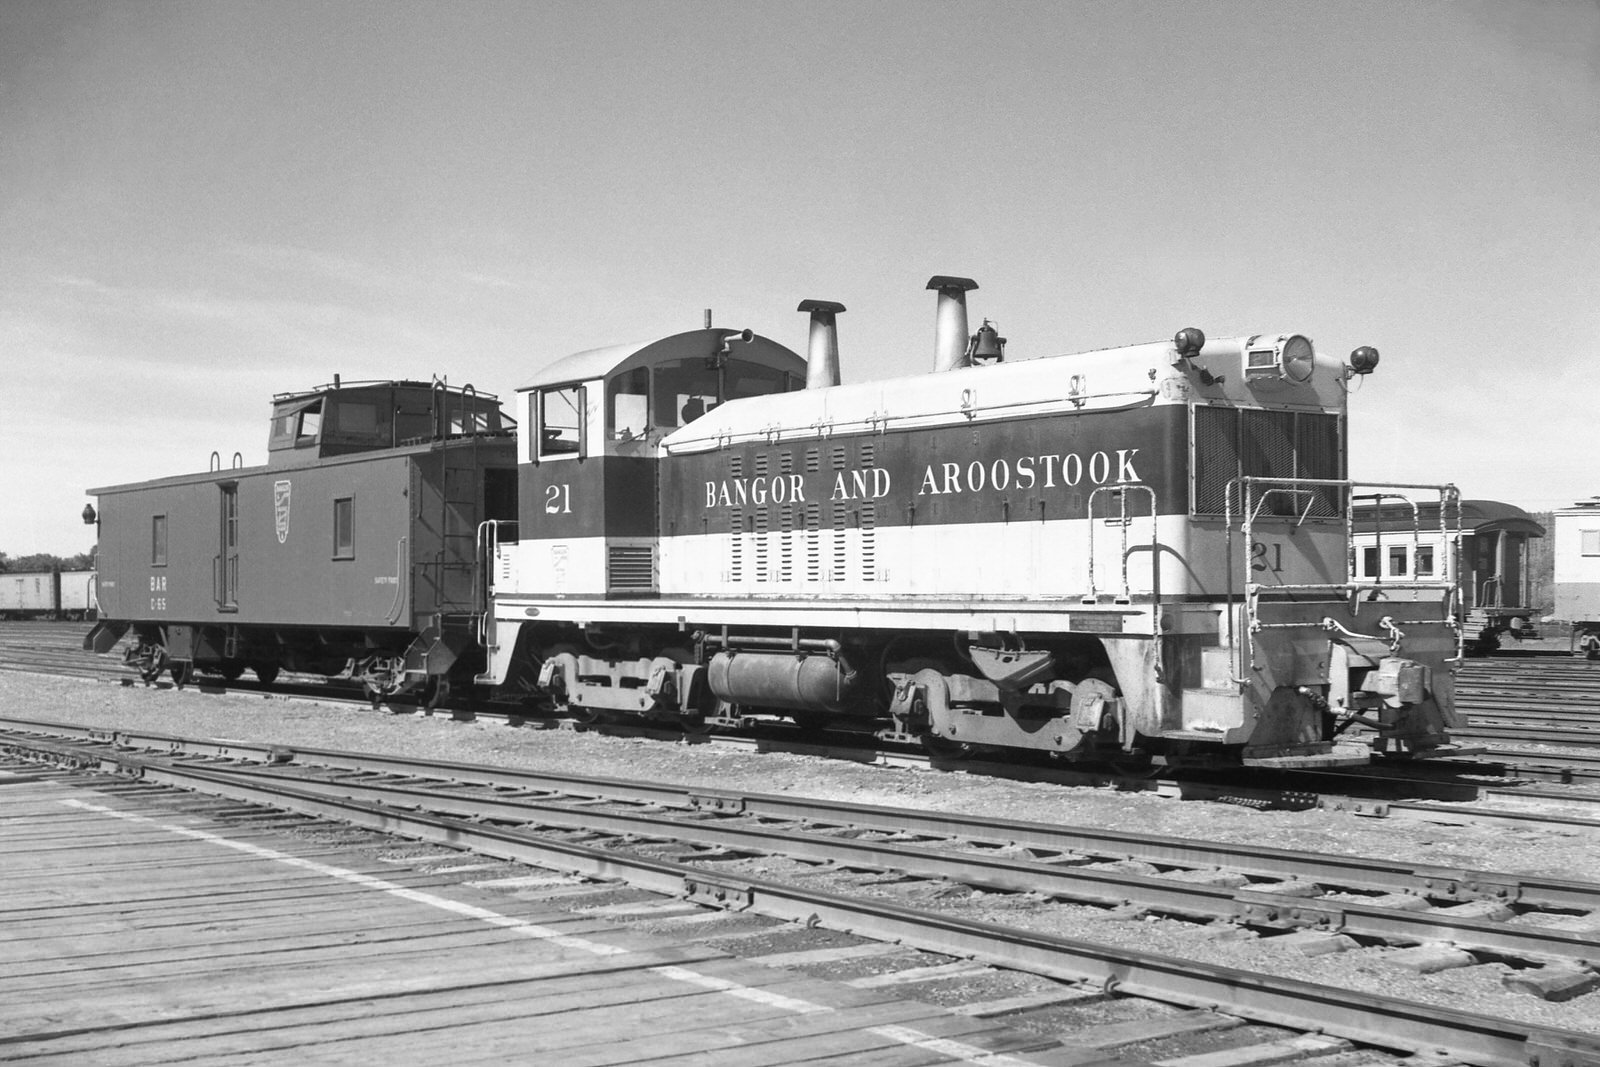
344, 542
357, 418
297, 425
1424, 561
1397, 560
158, 541
1369, 562
1590, 542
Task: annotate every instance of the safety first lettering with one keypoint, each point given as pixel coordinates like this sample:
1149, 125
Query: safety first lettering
1025, 472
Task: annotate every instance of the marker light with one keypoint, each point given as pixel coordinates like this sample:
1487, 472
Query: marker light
1363, 360
1286, 356
1189, 341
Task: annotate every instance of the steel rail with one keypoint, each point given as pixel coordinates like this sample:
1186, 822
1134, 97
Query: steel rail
1386, 876
1110, 888
1384, 1022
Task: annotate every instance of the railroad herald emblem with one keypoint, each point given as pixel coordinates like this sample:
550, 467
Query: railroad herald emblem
280, 509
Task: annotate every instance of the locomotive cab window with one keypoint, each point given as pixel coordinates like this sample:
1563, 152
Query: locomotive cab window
561, 416
628, 405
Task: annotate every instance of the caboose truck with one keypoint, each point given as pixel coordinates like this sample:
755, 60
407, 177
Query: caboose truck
351, 552
1138, 551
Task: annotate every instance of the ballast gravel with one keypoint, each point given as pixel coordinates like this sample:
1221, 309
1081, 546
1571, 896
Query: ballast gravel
1570, 852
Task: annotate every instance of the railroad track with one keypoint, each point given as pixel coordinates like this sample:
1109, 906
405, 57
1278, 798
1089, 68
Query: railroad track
1416, 789
840, 866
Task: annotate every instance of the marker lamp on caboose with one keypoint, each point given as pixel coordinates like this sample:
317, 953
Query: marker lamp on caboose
1287, 356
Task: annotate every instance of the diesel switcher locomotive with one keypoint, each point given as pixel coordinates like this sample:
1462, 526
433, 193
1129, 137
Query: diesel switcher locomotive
1135, 552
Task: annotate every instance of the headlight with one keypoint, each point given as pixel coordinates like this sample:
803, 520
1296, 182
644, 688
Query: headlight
1286, 356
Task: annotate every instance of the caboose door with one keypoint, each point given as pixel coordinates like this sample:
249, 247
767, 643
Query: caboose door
227, 578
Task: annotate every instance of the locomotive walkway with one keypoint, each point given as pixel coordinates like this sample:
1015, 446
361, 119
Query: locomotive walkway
136, 934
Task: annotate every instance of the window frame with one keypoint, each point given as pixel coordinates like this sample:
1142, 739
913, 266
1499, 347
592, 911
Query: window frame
345, 550
543, 443
160, 534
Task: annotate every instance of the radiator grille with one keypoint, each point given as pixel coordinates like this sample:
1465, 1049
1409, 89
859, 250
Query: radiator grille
1231, 443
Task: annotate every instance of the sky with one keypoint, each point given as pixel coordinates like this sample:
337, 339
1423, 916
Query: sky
206, 203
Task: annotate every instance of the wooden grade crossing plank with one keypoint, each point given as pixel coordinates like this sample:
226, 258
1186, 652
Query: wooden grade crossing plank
138, 935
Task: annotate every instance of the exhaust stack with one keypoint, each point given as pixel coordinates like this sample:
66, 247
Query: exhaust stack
950, 325
822, 356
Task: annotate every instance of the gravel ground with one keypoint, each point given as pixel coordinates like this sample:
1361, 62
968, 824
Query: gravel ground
1558, 853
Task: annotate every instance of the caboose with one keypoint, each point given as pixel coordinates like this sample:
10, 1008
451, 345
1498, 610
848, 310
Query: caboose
352, 551
1137, 551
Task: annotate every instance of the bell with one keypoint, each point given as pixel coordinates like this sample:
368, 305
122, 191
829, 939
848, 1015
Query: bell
987, 344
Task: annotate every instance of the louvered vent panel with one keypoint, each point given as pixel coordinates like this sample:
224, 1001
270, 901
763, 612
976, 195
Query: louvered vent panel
735, 526
760, 539
631, 567
841, 555
786, 544
813, 537
869, 542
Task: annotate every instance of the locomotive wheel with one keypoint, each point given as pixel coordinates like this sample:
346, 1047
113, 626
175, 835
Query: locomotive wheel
694, 725
944, 748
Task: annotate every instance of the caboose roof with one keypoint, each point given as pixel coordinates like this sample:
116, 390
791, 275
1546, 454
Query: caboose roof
1477, 517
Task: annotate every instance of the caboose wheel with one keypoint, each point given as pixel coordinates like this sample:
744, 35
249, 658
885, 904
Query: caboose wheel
231, 670
266, 673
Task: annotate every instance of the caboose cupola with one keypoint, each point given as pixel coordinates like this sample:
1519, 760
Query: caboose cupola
343, 418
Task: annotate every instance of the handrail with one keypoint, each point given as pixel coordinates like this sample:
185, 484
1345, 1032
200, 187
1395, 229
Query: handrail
1250, 511
1120, 491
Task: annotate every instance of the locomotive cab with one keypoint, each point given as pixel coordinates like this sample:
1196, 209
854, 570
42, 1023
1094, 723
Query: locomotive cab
595, 420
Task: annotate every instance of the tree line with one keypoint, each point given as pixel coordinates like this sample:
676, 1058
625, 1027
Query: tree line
44, 561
